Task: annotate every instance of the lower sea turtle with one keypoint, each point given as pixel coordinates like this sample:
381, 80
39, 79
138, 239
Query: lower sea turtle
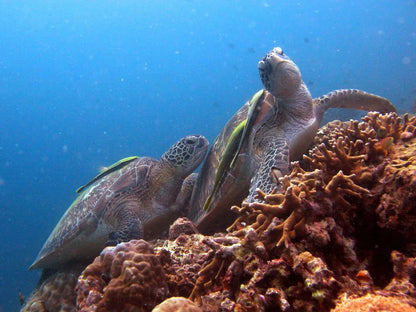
132, 198
256, 146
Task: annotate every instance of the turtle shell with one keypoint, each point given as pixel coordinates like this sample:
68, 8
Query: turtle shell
131, 199
83, 230
224, 178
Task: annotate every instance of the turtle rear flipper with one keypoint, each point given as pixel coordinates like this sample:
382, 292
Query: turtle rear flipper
351, 98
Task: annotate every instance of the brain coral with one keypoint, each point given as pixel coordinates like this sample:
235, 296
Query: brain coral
55, 291
128, 277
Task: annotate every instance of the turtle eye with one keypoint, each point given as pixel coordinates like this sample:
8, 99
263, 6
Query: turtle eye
278, 50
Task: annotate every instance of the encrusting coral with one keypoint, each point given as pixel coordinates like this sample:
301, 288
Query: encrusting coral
339, 227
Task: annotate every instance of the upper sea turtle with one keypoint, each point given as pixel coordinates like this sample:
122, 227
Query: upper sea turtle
256, 146
133, 198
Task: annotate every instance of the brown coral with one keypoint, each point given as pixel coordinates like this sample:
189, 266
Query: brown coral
182, 257
340, 226
373, 303
339, 214
177, 304
128, 277
55, 292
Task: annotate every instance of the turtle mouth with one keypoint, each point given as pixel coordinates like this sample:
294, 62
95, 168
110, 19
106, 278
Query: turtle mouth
267, 66
201, 141
265, 69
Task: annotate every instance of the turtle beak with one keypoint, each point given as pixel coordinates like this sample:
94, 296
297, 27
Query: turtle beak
265, 69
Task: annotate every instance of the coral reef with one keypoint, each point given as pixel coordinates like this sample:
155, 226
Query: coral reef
329, 229
128, 277
338, 233
373, 303
182, 257
177, 304
55, 291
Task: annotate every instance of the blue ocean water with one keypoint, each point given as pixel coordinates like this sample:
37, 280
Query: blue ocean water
85, 83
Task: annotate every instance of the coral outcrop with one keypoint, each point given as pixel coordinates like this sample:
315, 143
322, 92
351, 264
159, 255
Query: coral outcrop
329, 230
56, 291
177, 304
338, 233
373, 303
128, 277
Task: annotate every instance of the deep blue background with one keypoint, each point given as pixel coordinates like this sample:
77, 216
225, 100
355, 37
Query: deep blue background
85, 83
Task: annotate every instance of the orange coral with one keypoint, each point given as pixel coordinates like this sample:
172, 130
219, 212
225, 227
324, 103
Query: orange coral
127, 277
404, 275
373, 303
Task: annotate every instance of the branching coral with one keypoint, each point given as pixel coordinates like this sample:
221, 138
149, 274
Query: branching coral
331, 226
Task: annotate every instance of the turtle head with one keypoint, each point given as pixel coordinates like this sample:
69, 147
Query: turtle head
186, 154
279, 75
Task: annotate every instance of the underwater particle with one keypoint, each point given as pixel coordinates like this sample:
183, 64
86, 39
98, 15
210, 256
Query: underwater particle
2, 181
65, 148
252, 25
406, 60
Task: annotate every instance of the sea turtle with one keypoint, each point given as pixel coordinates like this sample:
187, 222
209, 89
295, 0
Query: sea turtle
256, 146
133, 198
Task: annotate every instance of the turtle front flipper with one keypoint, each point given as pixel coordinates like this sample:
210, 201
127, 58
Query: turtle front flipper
127, 223
352, 98
182, 203
275, 163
